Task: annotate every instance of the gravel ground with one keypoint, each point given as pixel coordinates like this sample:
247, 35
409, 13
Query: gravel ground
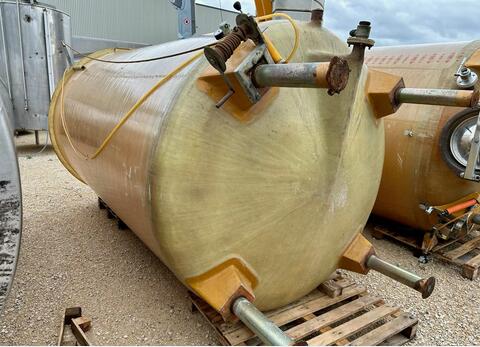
72, 255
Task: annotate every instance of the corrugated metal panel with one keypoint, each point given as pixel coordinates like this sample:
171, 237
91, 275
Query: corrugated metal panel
144, 21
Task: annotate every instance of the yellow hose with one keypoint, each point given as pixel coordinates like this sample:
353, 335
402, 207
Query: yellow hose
273, 51
295, 29
135, 107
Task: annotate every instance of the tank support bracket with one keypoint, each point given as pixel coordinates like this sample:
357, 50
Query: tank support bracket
360, 257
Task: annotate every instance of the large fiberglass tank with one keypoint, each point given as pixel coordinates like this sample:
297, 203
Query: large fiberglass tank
427, 148
283, 194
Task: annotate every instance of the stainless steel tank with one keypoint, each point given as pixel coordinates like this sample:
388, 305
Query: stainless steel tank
32, 58
10, 200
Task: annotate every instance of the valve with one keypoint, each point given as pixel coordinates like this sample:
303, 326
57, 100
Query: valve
466, 78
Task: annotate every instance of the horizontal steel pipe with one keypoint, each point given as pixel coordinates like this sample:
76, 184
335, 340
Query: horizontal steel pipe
442, 97
332, 75
422, 285
266, 330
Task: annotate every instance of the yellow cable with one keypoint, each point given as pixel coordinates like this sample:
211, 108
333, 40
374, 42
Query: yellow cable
158, 85
294, 26
126, 116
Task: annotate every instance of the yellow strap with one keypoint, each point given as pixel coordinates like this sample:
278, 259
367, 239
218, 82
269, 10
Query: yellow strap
122, 121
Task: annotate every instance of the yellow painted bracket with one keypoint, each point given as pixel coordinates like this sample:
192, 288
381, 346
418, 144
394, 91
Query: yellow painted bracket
474, 61
264, 7
238, 105
380, 89
356, 255
223, 284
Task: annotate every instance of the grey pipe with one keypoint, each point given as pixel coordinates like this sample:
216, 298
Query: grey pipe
424, 286
20, 39
266, 330
331, 75
442, 97
286, 75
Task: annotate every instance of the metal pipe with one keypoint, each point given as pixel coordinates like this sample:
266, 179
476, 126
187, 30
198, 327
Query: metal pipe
20, 39
266, 330
332, 75
5, 55
422, 285
442, 97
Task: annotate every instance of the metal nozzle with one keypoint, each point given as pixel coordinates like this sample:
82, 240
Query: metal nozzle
256, 321
423, 285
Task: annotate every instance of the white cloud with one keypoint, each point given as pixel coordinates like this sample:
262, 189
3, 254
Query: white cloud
397, 21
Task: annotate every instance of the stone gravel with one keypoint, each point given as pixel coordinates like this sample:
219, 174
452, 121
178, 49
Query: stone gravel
72, 255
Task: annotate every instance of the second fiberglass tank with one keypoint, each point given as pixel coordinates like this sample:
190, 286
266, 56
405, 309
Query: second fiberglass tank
424, 159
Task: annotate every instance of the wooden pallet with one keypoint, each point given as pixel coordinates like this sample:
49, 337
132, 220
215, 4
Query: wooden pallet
340, 312
463, 252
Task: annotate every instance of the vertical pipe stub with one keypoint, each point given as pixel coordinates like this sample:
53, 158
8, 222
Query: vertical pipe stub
423, 285
266, 330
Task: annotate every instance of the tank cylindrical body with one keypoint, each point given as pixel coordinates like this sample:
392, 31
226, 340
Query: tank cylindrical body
419, 164
285, 192
32, 58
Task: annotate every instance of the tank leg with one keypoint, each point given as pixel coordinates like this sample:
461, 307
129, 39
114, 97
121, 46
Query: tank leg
266, 330
360, 257
37, 138
424, 286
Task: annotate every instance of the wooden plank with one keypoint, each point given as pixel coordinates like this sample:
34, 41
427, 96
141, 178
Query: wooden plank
300, 331
351, 327
331, 288
470, 269
344, 283
463, 249
386, 331
400, 237
200, 305
443, 245
243, 333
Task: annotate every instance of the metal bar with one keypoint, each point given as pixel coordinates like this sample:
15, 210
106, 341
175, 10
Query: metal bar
422, 285
266, 330
469, 173
442, 97
5, 55
20, 39
48, 50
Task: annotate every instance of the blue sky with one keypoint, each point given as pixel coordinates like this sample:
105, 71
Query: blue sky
397, 21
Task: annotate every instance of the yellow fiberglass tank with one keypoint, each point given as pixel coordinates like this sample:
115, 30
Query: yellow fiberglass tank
427, 148
245, 177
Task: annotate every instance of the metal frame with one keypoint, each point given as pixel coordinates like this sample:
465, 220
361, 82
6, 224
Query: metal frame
22, 58
469, 173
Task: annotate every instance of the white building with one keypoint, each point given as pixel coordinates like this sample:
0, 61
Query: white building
135, 21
